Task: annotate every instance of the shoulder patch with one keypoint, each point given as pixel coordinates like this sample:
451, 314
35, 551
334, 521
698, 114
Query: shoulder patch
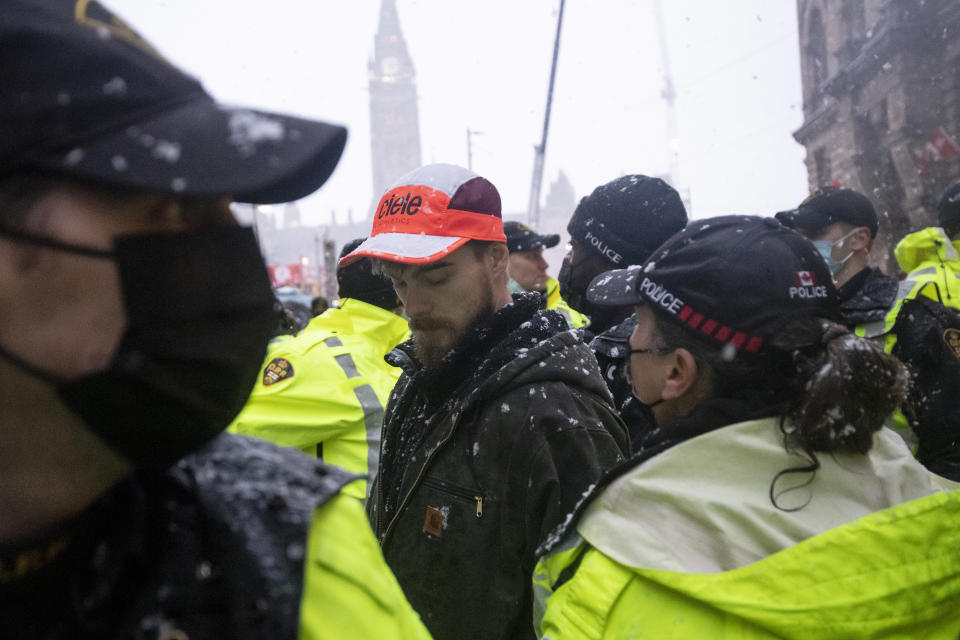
278, 369
952, 338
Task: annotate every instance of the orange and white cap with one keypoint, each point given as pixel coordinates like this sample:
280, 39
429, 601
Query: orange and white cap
431, 212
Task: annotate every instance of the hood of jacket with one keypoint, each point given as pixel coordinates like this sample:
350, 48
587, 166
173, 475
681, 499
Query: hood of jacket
893, 573
355, 317
636, 518
930, 245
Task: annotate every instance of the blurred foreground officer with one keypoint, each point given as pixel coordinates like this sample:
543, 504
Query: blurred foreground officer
134, 316
499, 422
528, 270
771, 502
842, 224
323, 391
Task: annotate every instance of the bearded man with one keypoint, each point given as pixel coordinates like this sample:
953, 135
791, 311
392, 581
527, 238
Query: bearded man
499, 422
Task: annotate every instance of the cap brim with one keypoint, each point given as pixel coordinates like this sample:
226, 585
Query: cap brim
551, 240
202, 148
616, 288
532, 242
803, 218
408, 248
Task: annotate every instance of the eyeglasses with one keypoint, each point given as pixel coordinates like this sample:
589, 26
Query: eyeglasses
653, 351
628, 370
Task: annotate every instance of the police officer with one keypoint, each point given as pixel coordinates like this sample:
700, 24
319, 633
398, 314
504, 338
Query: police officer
619, 224
931, 256
135, 315
528, 269
842, 224
324, 390
771, 487
931, 259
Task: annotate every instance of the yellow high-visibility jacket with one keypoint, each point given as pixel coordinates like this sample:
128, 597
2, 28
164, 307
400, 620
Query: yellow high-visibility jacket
348, 590
927, 256
324, 390
574, 318
688, 545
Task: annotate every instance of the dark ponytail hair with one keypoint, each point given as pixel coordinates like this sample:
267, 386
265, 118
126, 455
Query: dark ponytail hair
835, 388
845, 386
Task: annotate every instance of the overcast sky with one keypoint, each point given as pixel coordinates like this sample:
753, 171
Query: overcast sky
484, 64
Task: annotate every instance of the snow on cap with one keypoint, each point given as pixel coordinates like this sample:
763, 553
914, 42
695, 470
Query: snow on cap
727, 280
431, 212
85, 96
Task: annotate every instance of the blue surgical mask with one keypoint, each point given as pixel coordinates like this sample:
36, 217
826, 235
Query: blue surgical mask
825, 247
513, 286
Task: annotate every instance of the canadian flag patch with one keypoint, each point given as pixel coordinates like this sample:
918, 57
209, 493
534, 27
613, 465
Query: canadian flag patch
805, 278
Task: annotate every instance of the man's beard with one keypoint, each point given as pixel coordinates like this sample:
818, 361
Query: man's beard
434, 337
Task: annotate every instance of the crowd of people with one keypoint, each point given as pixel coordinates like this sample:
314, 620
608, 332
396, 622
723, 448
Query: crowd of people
725, 427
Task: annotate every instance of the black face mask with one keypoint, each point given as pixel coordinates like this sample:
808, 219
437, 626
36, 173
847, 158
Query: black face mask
571, 294
575, 295
199, 314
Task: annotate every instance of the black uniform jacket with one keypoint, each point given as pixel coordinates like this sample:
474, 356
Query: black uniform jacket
867, 297
211, 548
481, 458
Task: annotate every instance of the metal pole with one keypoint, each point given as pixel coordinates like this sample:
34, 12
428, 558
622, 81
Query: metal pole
470, 134
469, 152
255, 225
541, 149
318, 257
669, 96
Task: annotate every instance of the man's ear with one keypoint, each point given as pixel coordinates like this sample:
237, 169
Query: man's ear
498, 257
681, 375
862, 239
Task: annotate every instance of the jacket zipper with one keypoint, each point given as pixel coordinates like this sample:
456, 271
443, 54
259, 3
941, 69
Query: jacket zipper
423, 468
460, 493
383, 442
943, 271
946, 285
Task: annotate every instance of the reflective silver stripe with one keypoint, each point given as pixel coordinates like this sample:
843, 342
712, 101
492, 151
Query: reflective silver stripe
372, 411
373, 420
871, 329
333, 341
923, 272
904, 288
347, 364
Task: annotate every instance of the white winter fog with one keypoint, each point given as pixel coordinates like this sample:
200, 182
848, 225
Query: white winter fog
484, 66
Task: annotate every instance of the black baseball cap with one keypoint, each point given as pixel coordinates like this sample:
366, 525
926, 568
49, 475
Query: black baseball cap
727, 280
356, 280
832, 204
520, 237
85, 96
627, 218
948, 209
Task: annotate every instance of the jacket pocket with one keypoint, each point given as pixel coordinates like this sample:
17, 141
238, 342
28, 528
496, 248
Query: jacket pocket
473, 496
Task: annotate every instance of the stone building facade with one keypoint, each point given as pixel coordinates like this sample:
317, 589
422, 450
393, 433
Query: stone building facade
881, 105
394, 119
